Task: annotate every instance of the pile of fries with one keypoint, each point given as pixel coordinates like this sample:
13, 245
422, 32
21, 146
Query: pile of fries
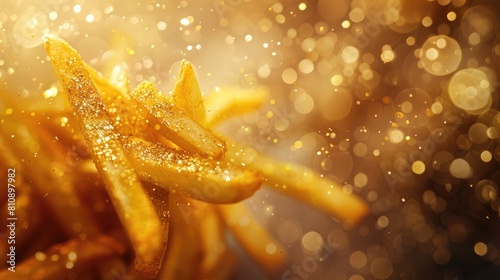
176, 187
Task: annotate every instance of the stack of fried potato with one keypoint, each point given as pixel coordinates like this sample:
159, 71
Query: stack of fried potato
175, 186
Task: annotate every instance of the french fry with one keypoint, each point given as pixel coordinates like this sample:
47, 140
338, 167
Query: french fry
127, 117
62, 260
160, 201
57, 191
187, 93
184, 249
253, 237
132, 205
212, 241
176, 125
189, 174
302, 183
227, 102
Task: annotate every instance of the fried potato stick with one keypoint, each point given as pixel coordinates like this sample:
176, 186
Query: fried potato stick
62, 260
159, 198
184, 251
176, 125
187, 93
227, 102
303, 183
253, 237
213, 243
189, 174
132, 205
58, 192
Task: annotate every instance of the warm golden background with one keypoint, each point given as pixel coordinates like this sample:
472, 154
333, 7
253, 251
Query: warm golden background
397, 100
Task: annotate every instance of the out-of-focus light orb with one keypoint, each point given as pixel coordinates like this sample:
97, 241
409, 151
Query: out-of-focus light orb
358, 259
289, 231
486, 156
381, 268
469, 89
395, 136
440, 55
306, 66
418, 167
480, 249
486, 191
460, 168
437, 108
29, 28
357, 15
312, 242
335, 105
289, 76
350, 54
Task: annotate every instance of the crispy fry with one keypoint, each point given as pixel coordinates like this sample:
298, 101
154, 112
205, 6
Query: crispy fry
230, 101
62, 260
303, 183
128, 118
187, 94
176, 125
58, 192
255, 239
184, 251
159, 198
213, 244
189, 174
132, 205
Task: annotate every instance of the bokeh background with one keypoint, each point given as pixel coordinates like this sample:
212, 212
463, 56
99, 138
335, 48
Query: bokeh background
396, 100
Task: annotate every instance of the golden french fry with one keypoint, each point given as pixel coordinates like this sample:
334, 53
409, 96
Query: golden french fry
187, 94
230, 101
176, 125
189, 174
132, 205
63, 260
212, 241
184, 249
128, 118
303, 183
54, 186
159, 198
255, 239
225, 266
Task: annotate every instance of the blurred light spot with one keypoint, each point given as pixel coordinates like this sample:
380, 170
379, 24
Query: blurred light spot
357, 15
437, 108
312, 242
469, 89
486, 191
486, 156
289, 231
381, 268
289, 76
441, 256
440, 55
458, 233
350, 54
358, 259
360, 180
271, 248
395, 136
480, 249
418, 167
382, 222
460, 168
306, 66
161, 25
